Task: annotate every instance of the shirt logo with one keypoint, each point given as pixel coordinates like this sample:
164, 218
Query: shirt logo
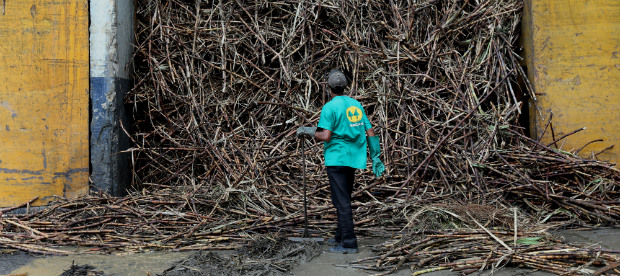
354, 114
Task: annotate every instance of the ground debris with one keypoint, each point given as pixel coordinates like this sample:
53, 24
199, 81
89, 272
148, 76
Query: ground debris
82, 270
262, 256
475, 250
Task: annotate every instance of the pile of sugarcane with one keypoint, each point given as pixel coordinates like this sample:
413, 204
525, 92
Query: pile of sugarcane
222, 86
468, 251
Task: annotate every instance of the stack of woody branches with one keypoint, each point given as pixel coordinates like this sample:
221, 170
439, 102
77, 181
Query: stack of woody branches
221, 87
468, 251
488, 240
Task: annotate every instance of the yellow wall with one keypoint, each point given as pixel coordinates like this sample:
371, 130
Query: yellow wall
44, 82
572, 52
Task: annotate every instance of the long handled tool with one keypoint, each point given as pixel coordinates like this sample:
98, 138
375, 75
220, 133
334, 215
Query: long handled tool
306, 235
303, 173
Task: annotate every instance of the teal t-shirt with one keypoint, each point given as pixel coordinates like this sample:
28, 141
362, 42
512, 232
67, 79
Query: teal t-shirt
346, 119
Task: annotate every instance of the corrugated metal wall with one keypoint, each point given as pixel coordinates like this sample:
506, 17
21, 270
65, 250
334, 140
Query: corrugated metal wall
572, 51
44, 108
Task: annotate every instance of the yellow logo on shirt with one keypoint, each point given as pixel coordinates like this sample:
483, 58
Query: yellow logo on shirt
354, 114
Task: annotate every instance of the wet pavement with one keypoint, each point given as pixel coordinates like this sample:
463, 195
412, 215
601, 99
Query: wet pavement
141, 264
608, 237
339, 264
154, 263
13, 260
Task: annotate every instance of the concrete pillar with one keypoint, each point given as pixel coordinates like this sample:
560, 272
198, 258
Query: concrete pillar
572, 52
111, 46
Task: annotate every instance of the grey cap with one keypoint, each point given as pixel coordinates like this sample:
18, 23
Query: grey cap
336, 79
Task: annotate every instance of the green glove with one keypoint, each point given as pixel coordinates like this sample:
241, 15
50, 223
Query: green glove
375, 150
306, 132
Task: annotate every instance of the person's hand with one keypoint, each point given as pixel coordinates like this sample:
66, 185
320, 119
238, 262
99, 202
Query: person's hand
307, 132
377, 167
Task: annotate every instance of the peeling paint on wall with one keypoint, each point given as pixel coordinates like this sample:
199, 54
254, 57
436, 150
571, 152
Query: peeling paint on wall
570, 48
111, 36
43, 100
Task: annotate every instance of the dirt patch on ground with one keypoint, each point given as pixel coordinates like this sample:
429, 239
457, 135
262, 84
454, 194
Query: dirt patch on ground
82, 270
263, 256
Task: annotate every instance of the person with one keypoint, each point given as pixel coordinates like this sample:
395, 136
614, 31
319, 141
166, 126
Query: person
346, 132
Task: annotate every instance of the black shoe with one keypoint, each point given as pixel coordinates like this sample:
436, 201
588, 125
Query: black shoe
333, 242
343, 250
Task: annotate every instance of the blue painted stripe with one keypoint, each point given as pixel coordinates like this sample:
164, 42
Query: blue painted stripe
110, 169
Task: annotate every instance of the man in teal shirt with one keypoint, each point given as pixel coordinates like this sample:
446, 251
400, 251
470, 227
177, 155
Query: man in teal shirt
346, 131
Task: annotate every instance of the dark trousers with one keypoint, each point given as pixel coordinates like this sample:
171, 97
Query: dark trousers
341, 184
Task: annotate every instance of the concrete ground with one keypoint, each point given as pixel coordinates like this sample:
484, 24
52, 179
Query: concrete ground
154, 263
339, 264
141, 264
13, 260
